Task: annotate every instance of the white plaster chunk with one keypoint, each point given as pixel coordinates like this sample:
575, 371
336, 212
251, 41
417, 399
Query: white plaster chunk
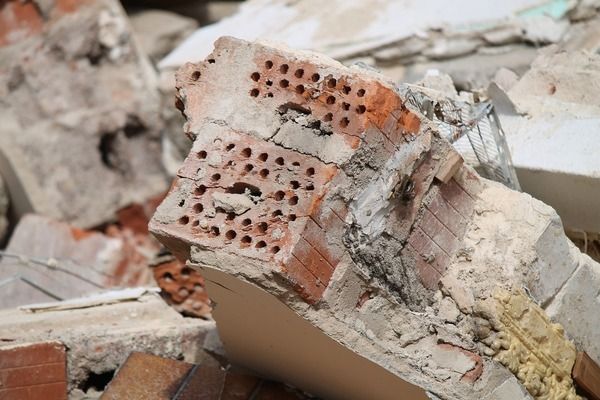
232, 202
452, 359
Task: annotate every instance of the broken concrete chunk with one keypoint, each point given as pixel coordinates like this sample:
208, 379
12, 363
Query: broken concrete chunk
368, 257
80, 112
232, 203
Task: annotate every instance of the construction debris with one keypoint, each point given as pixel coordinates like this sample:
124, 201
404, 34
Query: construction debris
354, 243
80, 111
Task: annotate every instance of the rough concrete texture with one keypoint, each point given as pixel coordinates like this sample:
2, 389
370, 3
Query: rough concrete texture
49, 260
79, 110
99, 338
351, 238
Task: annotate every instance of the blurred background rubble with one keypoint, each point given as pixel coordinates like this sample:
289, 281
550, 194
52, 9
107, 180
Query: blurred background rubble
90, 139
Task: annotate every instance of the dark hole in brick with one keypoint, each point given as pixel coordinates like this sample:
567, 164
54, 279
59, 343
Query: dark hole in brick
95, 381
331, 83
196, 223
196, 75
262, 227
284, 68
284, 83
277, 213
293, 200
261, 244
300, 89
328, 117
255, 76
346, 89
296, 164
268, 64
269, 94
269, 83
230, 216
230, 234
346, 106
310, 186
198, 208
108, 151
211, 61
361, 109
315, 77
220, 210
186, 271
168, 277
275, 249
330, 100
279, 161
181, 203
254, 92
246, 240
295, 184
242, 188
202, 154
248, 167
230, 163
230, 147
310, 171
344, 122
184, 220
361, 92
246, 221
279, 195
292, 217
264, 172
200, 190
299, 73
216, 177
263, 157
214, 231
247, 152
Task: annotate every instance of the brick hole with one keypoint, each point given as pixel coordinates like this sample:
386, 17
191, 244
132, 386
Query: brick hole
230, 216
330, 100
263, 157
299, 73
255, 76
295, 184
344, 122
231, 234
243, 187
310, 171
361, 109
300, 89
246, 240
361, 92
269, 94
246, 221
275, 249
328, 117
346, 89
315, 77
215, 177
346, 106
220, 210
184, 220
264, 172
181, 203
269, 82
254, 92
284, 83
198, 208
279, 161
310, 186
268, 64
284, 68
186, 272
261, 244
293, 200
200, 190
331, 83
292, 217
248, 167
230, 147
202, 154
198, 287
262, 227
296, 164
167, 277
247, 152
276, 213
196, 75
196, 223
230, 163
215, 231
279, 195
211, 61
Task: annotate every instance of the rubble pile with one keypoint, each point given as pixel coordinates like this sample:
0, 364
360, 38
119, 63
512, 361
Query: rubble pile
384, 200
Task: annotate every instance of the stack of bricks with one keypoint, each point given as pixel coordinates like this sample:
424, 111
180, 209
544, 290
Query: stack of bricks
314, 198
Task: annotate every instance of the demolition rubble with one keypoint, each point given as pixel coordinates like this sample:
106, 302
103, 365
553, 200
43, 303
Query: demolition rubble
387, 208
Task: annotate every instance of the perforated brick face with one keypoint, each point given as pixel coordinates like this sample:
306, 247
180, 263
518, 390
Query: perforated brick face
275, 135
